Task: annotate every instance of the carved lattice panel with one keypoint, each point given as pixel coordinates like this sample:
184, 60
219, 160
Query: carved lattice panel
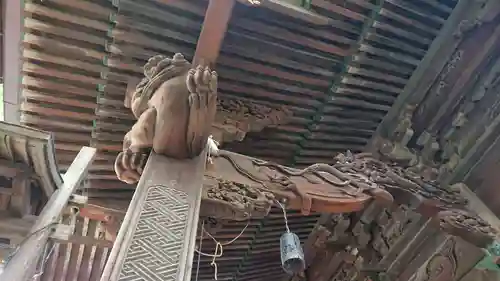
158, 238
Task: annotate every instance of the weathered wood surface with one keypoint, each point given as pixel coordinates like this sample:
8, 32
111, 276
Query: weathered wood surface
159, 97
434, 60
241, 187
23, 263
157, 236
396, 242
449, 115
453, 259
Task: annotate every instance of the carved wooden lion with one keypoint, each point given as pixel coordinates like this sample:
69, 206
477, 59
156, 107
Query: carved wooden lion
174, 105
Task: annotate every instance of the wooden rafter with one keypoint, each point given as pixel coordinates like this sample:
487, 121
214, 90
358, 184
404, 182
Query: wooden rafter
213, 31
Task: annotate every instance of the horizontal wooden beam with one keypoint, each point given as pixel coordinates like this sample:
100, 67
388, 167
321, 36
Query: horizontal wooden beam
85, 240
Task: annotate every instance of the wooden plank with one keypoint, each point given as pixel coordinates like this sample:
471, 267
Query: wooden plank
75, 253
100, 256
22, 265
213, 31
166, 206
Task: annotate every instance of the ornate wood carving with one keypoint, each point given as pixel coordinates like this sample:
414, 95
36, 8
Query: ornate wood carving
392, 235
235, 118
466, 225
174, 105
246, 187
177, 109
450, 262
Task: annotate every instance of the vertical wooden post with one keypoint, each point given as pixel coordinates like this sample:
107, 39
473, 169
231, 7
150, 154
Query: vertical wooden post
21, 267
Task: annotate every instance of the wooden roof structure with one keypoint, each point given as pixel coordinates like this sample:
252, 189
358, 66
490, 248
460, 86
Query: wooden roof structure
29, 176
345, 73
329, 74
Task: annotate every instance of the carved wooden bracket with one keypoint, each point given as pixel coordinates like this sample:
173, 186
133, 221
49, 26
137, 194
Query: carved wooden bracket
177, 109
398, 241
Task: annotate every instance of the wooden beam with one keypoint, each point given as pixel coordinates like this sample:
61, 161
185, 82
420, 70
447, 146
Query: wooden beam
213, 31
85, 240
165, 206
22, 265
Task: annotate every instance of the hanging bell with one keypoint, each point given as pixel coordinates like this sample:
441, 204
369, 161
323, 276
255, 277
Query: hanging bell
292, 255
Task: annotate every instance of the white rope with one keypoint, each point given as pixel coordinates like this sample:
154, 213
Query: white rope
218, 248
212, 149
284, 215
44, 261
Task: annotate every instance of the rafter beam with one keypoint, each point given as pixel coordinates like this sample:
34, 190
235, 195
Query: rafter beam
213, 31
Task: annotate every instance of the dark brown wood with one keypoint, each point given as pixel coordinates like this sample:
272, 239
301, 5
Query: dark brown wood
396, 242
431, 66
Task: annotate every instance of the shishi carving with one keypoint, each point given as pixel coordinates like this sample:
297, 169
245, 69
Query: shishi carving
175, 105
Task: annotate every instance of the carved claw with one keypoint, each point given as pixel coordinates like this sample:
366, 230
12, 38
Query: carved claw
129, 166
202, 86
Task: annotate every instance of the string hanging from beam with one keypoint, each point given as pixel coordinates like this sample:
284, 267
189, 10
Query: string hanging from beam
218, 252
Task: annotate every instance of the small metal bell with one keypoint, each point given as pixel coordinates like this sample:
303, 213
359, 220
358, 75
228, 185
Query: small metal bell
292, 255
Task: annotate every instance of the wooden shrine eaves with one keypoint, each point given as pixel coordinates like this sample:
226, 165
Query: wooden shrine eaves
33, 148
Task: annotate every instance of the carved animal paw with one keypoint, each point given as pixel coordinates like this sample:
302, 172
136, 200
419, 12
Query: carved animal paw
202, 86
129, 166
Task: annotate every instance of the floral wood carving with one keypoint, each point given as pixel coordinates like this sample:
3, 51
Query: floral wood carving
174, 105
235, 118
468, 226
223, 199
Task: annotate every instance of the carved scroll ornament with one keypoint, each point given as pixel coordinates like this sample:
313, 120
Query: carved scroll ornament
174, 105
